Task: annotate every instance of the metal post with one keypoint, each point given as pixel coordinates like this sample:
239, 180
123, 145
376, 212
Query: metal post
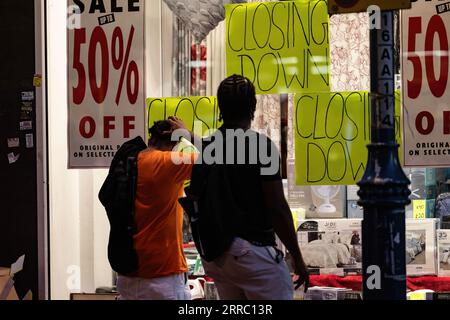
384, 189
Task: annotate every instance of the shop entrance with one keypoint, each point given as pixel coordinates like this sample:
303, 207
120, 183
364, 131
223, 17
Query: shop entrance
18, 160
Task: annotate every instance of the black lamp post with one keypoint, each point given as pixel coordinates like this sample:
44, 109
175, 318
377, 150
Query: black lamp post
384, 189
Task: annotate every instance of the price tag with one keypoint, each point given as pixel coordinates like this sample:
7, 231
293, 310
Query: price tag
419, 209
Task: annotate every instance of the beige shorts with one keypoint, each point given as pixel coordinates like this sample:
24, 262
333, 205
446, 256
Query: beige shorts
249, 272
166, 288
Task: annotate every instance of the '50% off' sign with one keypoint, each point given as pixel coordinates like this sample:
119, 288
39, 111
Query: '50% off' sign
106, 86
426, 84
120, 62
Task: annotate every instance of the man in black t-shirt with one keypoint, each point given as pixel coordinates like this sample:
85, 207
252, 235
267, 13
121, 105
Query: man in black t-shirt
252, 268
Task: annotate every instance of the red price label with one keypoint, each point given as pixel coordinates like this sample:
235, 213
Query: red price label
120, 61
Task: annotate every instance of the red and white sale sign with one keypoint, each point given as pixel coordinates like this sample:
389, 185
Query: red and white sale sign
426, 84
105, 79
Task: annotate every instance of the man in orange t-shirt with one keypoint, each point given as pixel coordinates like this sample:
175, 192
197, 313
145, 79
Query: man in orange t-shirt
159, 220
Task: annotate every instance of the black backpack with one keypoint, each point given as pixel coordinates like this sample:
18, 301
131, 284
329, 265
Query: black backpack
117, 196
213, 213
442, 210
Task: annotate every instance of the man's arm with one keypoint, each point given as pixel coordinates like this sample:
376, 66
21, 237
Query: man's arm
284, 225
178, 124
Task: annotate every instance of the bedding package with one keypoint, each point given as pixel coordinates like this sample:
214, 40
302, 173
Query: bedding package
331, 246
443, 238
421, 247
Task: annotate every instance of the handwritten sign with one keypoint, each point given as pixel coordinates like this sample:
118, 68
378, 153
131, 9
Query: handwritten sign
332, 131
283, 47
202, 111
419, 209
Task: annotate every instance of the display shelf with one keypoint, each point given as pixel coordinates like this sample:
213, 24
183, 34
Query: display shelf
437, 284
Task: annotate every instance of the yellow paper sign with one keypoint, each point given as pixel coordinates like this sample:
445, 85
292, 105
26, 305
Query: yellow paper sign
419, 296
201, 111
37, 80
332, 131
282, 47
419, 209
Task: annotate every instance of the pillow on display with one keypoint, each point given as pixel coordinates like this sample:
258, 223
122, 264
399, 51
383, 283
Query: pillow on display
200, 16
330, 237
346, 239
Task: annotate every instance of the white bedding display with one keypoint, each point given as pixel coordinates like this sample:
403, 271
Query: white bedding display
326, 255
443, 238
421, 247
415, 245
331, 246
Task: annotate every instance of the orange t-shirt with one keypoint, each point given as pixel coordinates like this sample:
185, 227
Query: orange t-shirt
159, 216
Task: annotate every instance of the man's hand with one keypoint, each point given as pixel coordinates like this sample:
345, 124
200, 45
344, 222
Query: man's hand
301, 274
177, 123
284, 227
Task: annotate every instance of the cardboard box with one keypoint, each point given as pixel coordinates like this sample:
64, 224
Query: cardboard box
331, 246
421, 247
318, 202
443, 238
7, 290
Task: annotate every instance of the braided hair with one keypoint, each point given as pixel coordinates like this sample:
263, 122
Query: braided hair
237, 99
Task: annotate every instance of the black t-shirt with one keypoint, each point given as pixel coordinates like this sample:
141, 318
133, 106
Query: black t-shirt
250, 159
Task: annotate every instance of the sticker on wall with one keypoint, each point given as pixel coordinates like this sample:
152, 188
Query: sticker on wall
12, 158
29, 140
26, 125
37, 80
26, 110
27, 96
13, 143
